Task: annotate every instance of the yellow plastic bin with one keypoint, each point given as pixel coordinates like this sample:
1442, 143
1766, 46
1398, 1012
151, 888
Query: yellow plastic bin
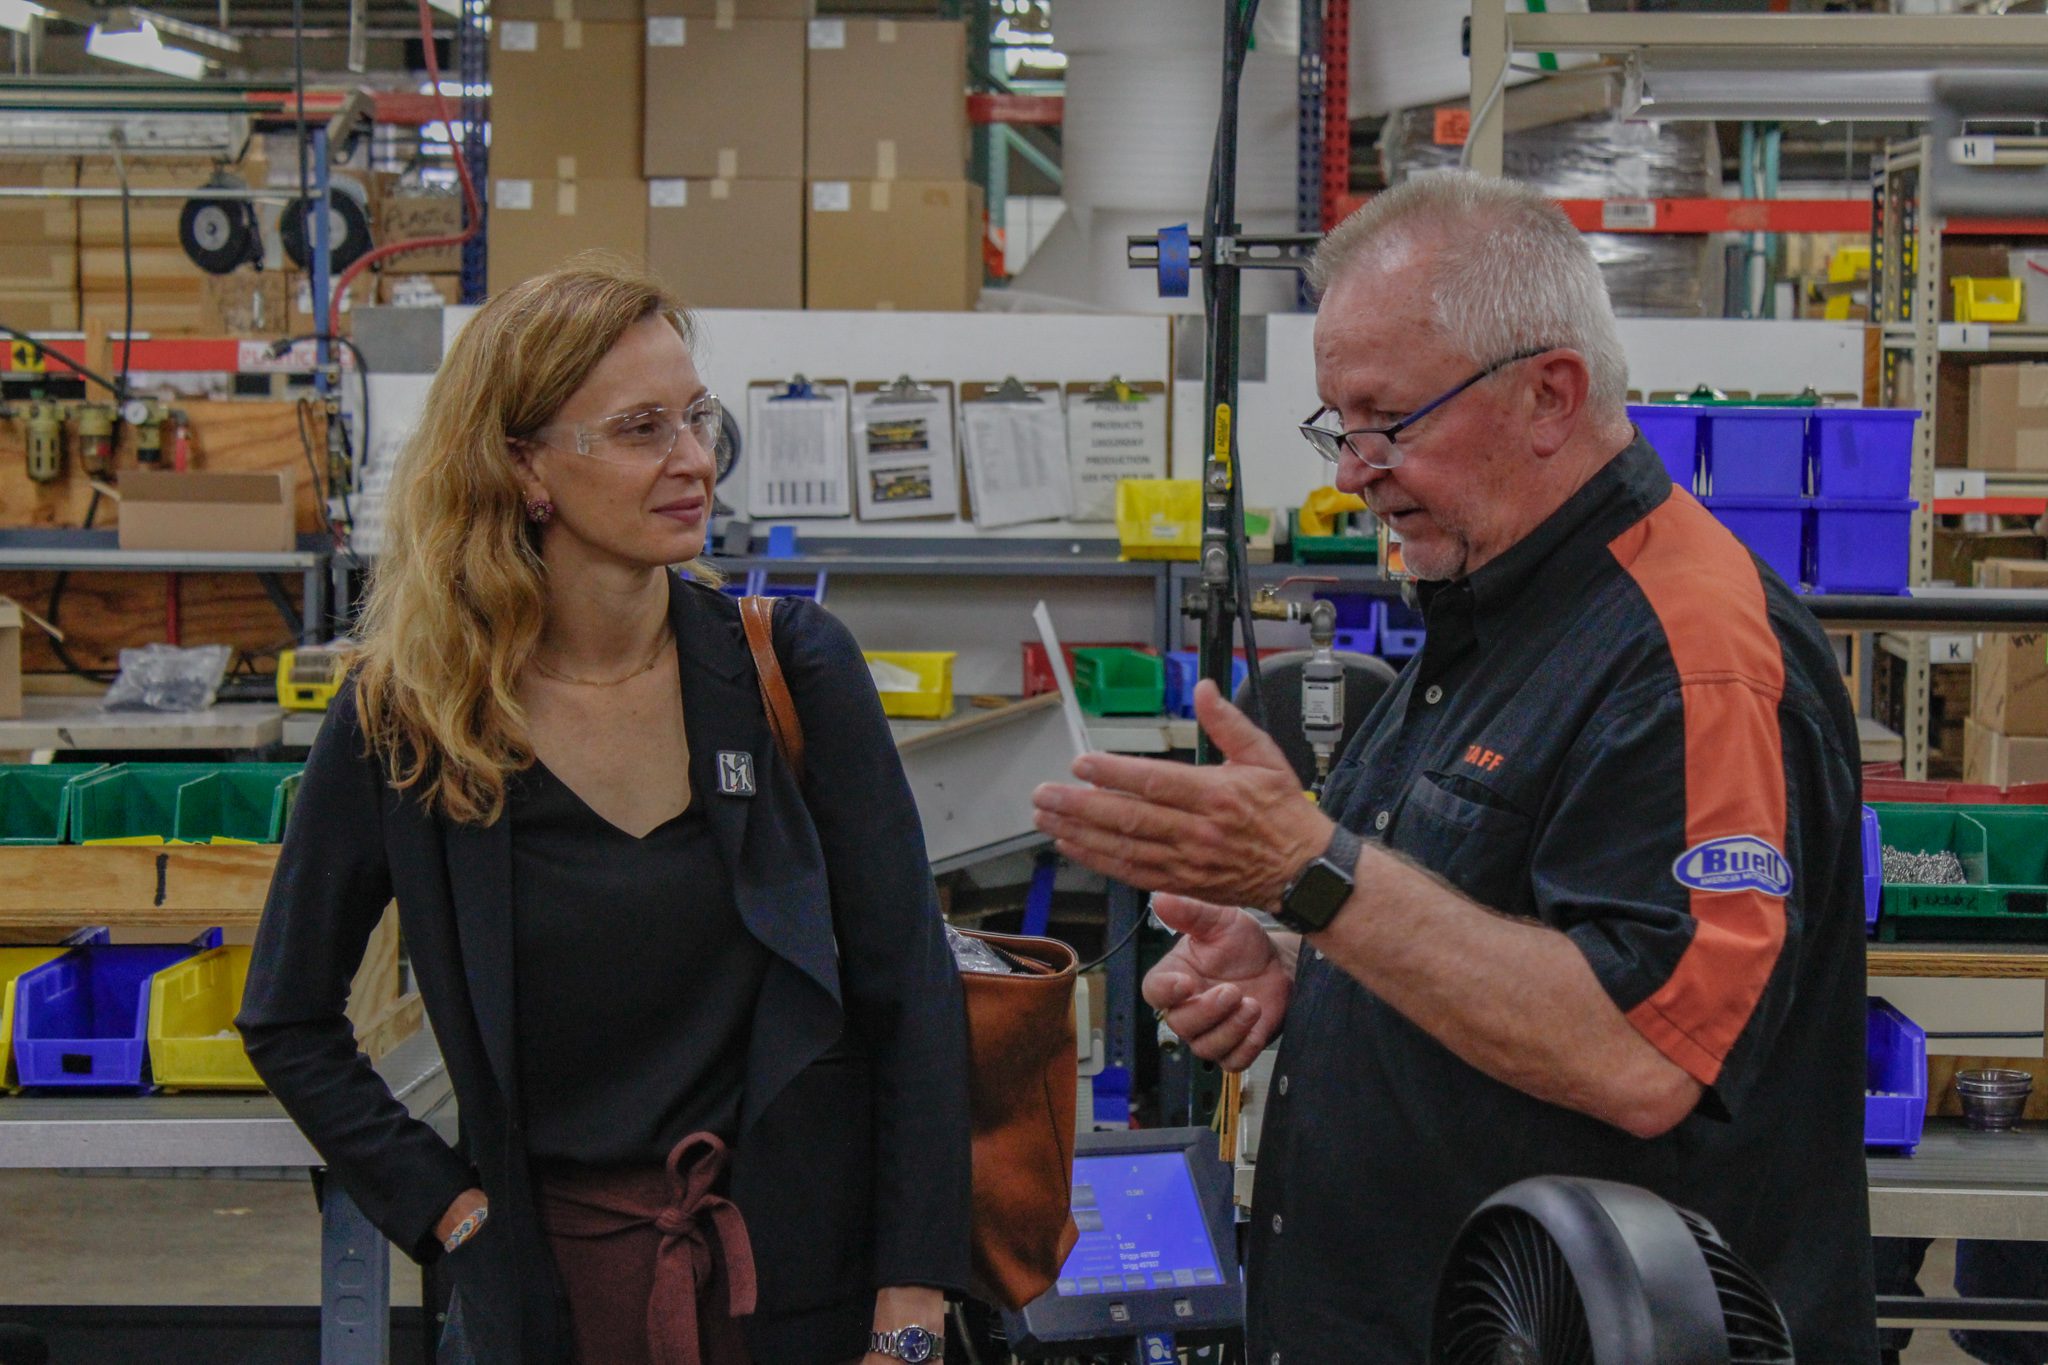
1988, 299
928, 678
13, 962
1159, 518
193, 1044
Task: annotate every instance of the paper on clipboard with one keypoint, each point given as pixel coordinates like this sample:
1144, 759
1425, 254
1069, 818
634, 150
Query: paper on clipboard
1015, 442
904, 460
1070, 702
1115, 431
796, 451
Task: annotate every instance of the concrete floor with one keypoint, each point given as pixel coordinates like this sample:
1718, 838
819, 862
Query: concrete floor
89, 1240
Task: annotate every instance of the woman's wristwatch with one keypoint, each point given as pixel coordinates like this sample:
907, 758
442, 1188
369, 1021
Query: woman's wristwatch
914, 1345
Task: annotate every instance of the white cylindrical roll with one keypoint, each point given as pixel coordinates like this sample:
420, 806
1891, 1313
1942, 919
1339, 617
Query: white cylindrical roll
1155, 26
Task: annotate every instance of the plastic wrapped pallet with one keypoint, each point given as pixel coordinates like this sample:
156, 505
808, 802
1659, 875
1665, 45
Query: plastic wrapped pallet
1605, 157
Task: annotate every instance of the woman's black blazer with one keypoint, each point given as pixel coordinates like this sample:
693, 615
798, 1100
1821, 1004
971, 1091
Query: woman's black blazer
851, 1165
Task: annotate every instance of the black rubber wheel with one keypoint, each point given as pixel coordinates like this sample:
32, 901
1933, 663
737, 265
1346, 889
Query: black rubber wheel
219, 236
348, 231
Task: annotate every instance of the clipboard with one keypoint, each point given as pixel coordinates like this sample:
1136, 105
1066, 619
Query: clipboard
797, 449
1115, 431
1013, 442
906, 459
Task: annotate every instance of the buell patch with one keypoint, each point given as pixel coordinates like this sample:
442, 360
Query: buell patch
1736, 862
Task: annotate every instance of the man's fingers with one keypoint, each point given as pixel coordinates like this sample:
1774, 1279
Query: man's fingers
1199, 920
1233, 731
1254, 1042
1150, 779
1164, 988
1214, 1008
1228, 1037
1112, 812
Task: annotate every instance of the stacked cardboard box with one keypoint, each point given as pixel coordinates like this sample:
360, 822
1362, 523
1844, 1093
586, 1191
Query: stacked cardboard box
565, 144
890, 221
39, 248
2009, 417
170, 291
417, 278
2007, 737
724, 202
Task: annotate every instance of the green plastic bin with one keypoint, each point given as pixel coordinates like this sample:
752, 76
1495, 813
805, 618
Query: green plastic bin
1344, 549
35, 806
240, 803
2004, 853
1120, 682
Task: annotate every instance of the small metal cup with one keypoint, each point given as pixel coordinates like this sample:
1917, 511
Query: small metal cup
1993, 1098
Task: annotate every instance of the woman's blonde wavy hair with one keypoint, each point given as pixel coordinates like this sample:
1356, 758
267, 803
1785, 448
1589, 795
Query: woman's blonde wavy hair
458, 598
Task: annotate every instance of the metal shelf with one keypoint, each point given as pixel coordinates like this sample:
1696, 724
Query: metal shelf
956, 558
1951, 609
100, 552
2005, 337
1963, 1184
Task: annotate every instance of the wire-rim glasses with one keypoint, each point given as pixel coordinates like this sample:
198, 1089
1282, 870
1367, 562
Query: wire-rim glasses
1378, 446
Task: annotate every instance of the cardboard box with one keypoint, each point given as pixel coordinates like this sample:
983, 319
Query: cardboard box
40, 310
361, 290
182, 313
403, 217
38, 237
726, 13
151, 222
724, 102
157, 270
728, 243
1958, 553
252, 303
2001, 760
2009, 417
419, 290
252, 512
569, 11
537, 225
2009, 692
566, 101
10, 659
905, 244
1951, 408
887, 100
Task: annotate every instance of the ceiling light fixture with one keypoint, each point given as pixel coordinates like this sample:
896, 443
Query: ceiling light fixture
20, 15
142, 47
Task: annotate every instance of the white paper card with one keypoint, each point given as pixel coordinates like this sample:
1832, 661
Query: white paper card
1070, 702
519, 35
667, 32
513, 194
796, 453
1108, 442
668, 194
904, 461
1016, 456
828, 35
831, 196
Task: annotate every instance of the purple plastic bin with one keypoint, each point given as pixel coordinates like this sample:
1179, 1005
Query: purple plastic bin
1673, 431
1895, 1079
83, 1019
1873, 870
1861, 547
1773, 528
1756, 452
1863, 452
1183, 671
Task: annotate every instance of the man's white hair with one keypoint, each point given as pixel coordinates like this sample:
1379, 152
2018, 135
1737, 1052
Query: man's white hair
1512, 274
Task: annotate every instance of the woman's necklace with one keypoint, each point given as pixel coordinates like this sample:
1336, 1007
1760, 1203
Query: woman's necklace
653, 658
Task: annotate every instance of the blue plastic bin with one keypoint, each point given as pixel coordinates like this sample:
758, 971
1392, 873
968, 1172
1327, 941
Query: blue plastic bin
1673, 431
1355, 610
1183, 671
1756, 452
1365, 640
1863, 452
1895, 1079
1773, 528
83, 1020
1873, 870
1859, 546
1401, 632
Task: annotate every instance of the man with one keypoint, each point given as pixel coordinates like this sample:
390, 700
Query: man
1590, 902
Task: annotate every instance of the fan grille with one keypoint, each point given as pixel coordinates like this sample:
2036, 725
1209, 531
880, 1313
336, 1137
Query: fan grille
1757, 1334
1511, 1300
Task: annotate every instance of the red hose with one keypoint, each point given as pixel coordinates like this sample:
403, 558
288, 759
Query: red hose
469, 200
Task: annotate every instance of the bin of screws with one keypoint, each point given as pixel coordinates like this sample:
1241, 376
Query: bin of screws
1942, 868
1993, 1098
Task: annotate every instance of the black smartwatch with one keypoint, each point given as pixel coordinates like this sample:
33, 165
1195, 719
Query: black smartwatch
1319, 890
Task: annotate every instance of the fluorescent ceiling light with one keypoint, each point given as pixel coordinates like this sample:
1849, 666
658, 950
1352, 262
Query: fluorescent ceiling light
178, 28
19, 15
142, 47
452, 8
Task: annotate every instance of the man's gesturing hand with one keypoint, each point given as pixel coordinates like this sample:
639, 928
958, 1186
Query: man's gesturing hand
1224, 987
1235, 833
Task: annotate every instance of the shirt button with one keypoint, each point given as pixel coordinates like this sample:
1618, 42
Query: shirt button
1434, 695
1382, 820
1276, 1225
1273, 1359
1283, 1085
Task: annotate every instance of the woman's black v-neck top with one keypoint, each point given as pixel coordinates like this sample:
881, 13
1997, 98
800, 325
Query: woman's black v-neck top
634, 976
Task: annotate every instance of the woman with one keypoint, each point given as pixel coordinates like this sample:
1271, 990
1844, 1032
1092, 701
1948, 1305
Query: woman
641, 945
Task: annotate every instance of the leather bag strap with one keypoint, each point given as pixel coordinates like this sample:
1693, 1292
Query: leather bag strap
757, 614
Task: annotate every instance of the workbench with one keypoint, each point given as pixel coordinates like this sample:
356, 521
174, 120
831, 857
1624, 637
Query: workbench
61, 723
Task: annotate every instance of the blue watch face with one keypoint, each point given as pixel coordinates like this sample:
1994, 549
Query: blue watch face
914, 1344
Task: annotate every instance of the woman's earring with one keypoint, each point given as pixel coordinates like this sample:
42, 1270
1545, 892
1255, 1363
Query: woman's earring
540, 511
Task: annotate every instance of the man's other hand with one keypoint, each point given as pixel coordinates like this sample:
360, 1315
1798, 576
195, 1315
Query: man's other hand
1223, 988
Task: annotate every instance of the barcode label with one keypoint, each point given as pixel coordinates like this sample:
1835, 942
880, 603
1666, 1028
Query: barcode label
1628, 215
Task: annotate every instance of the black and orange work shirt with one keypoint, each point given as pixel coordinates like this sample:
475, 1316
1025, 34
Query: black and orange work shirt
1628, 729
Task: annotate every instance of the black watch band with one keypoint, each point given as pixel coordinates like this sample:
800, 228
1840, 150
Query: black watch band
1320, 889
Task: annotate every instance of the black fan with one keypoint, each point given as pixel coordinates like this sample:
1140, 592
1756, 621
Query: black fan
1556, 1271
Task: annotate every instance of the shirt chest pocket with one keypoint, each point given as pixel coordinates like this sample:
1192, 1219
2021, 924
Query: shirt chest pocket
1479, 847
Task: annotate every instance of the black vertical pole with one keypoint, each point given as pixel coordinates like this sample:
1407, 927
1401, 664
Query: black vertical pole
1219, 437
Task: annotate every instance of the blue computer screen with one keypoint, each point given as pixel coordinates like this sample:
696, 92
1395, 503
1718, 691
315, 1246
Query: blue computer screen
1141, 1227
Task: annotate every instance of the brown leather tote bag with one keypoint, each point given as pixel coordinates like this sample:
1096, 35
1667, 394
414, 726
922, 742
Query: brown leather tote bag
1022, 1067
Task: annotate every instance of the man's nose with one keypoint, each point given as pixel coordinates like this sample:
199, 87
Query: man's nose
1355, 475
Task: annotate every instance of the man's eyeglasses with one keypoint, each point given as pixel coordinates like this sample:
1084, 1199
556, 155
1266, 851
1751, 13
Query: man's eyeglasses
647, 436
1377, 446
